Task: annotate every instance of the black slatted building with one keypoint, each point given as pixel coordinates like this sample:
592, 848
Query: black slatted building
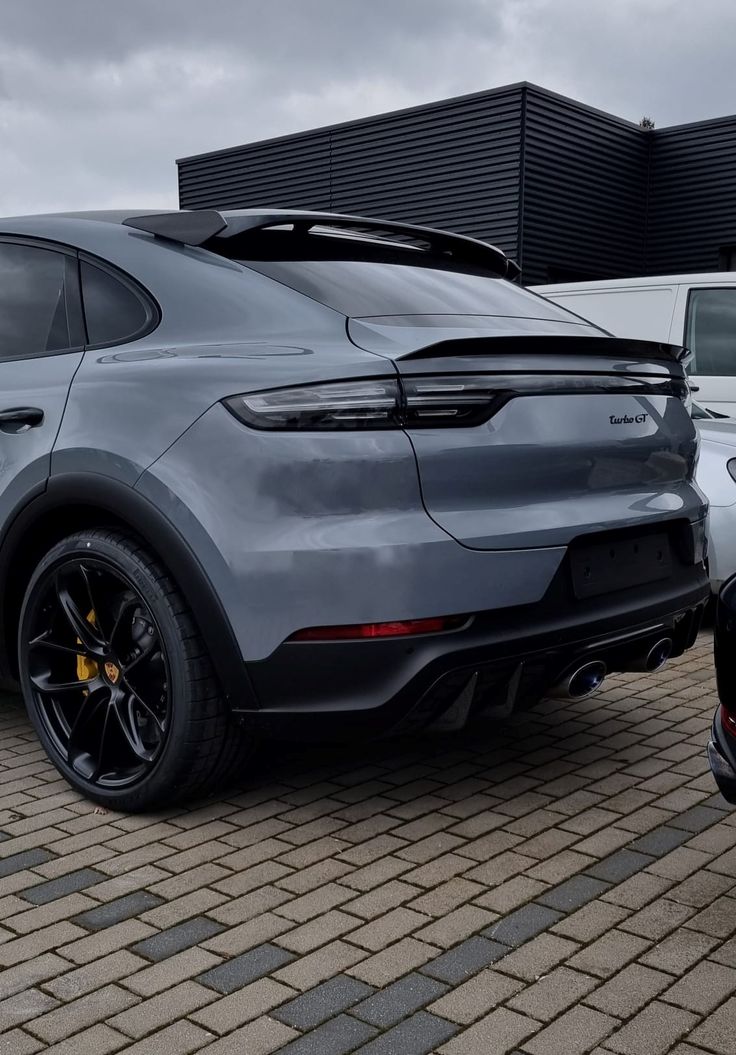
569, 191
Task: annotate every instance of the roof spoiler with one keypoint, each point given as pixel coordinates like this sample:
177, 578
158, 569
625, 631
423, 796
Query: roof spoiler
202, 226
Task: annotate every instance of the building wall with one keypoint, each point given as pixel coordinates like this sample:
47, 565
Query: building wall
453, 164
584, 192
692, 196
569, 191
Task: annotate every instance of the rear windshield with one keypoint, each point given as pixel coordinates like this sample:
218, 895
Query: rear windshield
361, 280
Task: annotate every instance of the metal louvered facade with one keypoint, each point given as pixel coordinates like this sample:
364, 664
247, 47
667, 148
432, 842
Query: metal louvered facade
692, 197
569, 191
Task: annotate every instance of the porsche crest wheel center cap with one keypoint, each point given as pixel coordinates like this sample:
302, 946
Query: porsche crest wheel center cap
112, 673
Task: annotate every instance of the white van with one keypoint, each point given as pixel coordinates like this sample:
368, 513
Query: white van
698, 311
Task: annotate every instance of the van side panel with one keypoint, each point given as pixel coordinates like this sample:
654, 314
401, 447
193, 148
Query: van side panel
644, 312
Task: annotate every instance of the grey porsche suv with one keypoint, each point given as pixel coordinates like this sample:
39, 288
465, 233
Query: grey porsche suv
311, 474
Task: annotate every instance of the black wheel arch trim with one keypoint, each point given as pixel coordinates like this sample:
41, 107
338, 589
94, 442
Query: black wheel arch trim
144, 519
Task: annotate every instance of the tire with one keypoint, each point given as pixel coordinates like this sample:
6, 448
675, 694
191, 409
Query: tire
116, 678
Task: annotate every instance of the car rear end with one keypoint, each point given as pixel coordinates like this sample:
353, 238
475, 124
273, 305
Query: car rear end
498, 504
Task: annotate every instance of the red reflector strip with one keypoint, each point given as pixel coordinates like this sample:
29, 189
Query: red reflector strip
362, 631
729, 720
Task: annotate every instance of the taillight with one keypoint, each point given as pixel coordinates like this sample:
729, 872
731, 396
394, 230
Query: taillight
339, 405
397, 628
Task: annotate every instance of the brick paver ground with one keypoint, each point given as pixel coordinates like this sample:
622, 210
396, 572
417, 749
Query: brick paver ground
563, 883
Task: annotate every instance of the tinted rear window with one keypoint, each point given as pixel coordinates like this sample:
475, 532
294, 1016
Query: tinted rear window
361, 280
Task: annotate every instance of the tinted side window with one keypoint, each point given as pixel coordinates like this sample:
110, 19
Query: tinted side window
711, 331
113, 311
33, 315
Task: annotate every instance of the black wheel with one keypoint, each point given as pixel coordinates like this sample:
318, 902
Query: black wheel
116, 678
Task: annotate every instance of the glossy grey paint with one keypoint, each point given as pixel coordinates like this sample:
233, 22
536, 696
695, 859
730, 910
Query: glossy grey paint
307, 529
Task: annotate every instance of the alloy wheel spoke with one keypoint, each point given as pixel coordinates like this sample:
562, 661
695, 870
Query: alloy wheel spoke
125, 716
45, 684
94, 600
43, 641
84, 630
149, 710
85, 715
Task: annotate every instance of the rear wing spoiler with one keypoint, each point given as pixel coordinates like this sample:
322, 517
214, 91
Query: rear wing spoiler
212, 230
554, 344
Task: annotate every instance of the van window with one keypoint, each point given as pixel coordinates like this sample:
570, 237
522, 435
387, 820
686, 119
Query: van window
710, 333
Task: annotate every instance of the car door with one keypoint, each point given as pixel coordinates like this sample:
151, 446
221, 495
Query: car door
41, 346
707, 326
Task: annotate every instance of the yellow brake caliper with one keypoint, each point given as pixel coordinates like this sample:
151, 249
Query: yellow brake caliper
87, 668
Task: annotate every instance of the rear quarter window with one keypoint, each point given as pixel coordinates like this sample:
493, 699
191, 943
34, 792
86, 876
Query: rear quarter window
114, 310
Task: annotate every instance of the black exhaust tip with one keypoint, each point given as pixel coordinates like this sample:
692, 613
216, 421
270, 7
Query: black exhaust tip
658, 654
580, 682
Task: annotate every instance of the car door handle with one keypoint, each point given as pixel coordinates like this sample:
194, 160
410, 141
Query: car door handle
21, 416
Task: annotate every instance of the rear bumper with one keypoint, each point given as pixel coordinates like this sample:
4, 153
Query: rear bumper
722, 761
502, 660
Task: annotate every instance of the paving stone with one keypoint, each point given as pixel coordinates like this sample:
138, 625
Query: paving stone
660, 841
388, 928
175, 939
476, 997
609, 953
418, 1035
116, 911
29, 1004
72, 1018
40, 969
245, 1005
160, 1010
180, 1038
91, 976
653, 1031
96, 1040
308, 971
573, 893
697, 818
537, 957
718, 919
398, 1000
577, 1031
620, 865
260, 1037
638, 891
336, 1037
181, 966
522, 925
679, 951
70, 883
590, 921
456, 925
465, 959
315, 1006
718, 1031
27, 859
553, 993
658, 919
233, 974
500, 1032
701, 889
703, 988
629, 990
17, 1042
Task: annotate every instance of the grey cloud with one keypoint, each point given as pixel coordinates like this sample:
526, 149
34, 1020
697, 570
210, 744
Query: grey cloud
98, 97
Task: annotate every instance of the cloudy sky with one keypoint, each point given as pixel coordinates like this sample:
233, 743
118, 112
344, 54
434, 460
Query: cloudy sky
98, 97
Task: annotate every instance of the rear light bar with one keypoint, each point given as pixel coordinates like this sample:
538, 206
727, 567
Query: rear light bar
398, 628
728, 719
431, 401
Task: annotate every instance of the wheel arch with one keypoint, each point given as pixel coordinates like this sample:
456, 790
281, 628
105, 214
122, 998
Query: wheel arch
72, 502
